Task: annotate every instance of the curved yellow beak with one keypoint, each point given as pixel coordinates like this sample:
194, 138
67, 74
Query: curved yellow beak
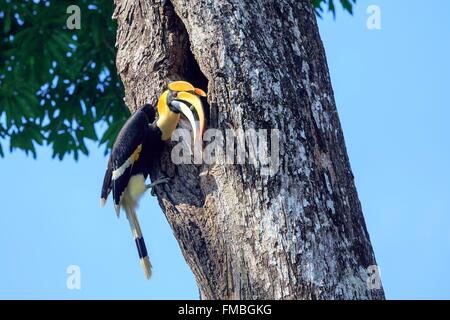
190, 116
185, 86
200, 92
188, 93
196, 103
181, 86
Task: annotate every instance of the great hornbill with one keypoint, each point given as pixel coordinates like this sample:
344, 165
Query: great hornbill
138, 146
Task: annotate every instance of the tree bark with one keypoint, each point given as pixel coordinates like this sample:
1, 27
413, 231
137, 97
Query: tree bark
295, 234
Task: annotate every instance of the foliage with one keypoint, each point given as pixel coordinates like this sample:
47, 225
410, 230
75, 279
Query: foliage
56, 84
347, 5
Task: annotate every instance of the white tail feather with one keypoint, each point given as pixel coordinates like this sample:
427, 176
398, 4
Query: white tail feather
137, 233
147, 266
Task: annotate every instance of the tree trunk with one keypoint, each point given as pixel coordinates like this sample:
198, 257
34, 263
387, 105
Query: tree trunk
298, 233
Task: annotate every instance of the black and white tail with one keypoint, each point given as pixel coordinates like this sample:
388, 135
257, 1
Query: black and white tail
139, 239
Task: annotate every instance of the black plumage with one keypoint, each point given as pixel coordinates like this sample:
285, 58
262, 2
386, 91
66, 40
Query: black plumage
139, 132
137, 147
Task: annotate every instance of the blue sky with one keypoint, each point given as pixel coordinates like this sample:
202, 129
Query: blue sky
391, 90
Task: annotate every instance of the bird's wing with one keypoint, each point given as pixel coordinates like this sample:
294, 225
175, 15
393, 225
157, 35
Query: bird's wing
126, 152
106, 188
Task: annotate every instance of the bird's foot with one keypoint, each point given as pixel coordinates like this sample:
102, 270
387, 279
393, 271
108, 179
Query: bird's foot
161, 180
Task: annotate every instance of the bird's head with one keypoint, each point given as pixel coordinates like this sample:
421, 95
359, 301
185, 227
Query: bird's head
180, 97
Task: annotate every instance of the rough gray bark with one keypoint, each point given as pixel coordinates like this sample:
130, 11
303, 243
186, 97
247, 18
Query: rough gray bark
299, 234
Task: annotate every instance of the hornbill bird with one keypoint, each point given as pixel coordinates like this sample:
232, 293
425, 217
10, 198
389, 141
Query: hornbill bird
137, 148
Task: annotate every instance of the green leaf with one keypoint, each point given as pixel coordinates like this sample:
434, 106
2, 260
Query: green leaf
35, 134
347, 5
7, 22
21, 140
89, 132
83, 147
